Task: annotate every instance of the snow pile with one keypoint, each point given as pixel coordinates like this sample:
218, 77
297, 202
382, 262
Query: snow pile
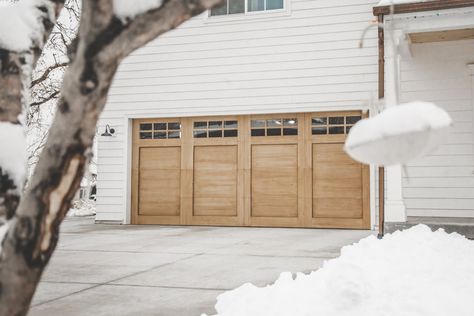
415, 272
399, 134
19, 24
395, 2
13, 153
82, 208
129, 9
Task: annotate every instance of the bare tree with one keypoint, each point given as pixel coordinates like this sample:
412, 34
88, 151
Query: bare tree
103, 41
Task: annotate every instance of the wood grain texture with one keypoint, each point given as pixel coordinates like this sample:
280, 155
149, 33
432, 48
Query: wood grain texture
159, 181
215, 181
441, 36
274, 180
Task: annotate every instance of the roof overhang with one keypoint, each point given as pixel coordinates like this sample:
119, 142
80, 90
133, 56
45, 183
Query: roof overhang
422, 6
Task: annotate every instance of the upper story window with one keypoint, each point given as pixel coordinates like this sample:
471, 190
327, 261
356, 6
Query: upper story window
239, 6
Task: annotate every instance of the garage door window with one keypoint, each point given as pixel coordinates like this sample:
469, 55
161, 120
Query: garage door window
275, 127
160, 130
215, 129
333, 125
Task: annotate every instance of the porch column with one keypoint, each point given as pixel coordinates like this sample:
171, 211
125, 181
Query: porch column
394, 205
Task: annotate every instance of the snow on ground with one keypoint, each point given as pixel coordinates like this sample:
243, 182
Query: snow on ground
13, 153
411, 273
399, 134
129, 9
19, 24
82, 208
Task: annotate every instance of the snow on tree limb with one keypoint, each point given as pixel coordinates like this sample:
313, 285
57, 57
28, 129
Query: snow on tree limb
13, 152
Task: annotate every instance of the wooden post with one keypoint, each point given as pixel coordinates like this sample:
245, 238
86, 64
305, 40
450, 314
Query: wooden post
381, 94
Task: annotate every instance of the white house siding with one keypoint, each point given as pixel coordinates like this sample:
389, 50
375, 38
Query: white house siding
442, 184
305, 59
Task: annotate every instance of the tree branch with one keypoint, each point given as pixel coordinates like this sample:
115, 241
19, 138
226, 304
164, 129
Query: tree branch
46, 73
44, 100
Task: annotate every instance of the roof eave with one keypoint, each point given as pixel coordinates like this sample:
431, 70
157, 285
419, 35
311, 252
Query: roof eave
423, 6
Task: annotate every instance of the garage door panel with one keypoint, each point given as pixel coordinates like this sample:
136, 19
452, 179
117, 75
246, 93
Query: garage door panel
329, 191
337, 183
215, 181
159, 181
268, 205
215, 206
274, 180
337, 207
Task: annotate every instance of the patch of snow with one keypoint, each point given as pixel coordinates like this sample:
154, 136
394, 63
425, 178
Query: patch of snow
20, 24
129, 9
416, 272
82, 208
398, 134
13, 155
395, 2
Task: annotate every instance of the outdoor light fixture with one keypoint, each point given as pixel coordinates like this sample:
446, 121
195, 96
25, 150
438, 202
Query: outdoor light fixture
108, 131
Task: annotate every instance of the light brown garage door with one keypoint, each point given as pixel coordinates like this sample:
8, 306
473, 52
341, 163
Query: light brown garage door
283, 170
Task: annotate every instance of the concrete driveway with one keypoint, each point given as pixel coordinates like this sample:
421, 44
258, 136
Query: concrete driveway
156, 270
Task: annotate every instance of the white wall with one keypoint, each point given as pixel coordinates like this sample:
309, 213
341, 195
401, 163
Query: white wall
442, 184
305, 59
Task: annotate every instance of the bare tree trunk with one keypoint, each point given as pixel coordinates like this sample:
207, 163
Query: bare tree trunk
103, 41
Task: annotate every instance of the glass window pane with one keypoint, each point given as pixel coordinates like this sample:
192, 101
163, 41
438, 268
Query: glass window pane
236, 6
352, 119
219, 10
258, 123
274, 4
217, 133
348, 128
174, 125
174, 134
256, 5
273, 123
230, 133
200, 134
336, 120
215, 124
258, 132
319, 130
145, 135
290, 131
200, 124
336, 130
159, 135
320, 120
230, 124
274, 132
290, 122
159, 126
146, 127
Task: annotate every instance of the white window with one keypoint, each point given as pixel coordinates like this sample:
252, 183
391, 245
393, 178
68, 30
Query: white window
243, 6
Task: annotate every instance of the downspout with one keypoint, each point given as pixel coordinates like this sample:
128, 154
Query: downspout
381, 94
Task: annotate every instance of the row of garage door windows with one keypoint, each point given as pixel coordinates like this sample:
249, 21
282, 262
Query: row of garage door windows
259, 127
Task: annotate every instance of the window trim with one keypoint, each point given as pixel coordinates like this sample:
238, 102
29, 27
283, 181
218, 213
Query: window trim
247, 15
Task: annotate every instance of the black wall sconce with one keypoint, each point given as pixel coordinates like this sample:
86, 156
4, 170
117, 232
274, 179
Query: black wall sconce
108, 131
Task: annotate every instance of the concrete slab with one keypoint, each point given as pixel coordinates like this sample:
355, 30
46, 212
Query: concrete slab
164, 270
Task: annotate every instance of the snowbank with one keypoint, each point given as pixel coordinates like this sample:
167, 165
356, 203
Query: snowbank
13, 153
129, 9
399, 134
82, 208
415, 272
19, 24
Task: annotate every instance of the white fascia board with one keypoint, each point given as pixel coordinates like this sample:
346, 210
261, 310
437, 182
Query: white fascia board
431, 21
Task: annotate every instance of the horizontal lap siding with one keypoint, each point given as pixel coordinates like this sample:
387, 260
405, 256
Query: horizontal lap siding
442, 183
304, 60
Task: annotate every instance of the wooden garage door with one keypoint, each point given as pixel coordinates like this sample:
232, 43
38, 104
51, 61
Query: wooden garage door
282, 170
